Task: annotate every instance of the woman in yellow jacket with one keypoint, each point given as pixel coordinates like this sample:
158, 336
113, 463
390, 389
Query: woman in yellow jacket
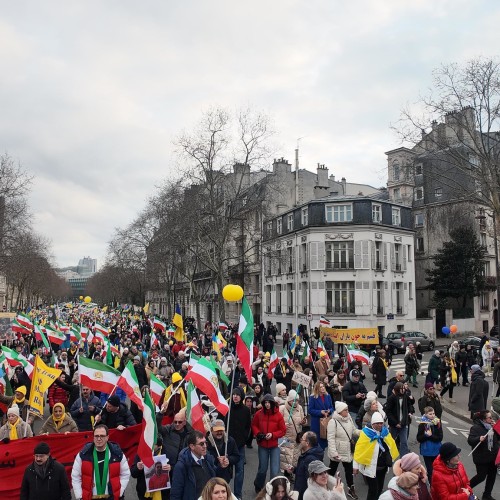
375, 452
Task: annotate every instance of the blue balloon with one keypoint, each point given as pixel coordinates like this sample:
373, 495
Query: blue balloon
445, 330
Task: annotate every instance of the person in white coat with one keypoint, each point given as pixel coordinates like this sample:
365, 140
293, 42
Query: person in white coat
400, 487
487, 355
341, 435
322, 486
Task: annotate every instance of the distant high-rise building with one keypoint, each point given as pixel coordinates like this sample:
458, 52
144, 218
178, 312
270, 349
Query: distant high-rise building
87, 266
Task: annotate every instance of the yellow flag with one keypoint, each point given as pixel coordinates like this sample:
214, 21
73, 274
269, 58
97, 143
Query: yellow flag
43, 377
146, 308
105, 309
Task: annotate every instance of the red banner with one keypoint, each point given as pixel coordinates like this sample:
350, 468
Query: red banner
17, 455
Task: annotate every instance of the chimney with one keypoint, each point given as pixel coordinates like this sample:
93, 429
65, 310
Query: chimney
321, 175
344, 185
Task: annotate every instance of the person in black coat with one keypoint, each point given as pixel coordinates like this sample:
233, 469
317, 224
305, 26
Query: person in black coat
115, 414
354, 393
398, 408
485, 454
283, 374
462, 368
140, 371
478, 391
224, 460
379, 372
45, 478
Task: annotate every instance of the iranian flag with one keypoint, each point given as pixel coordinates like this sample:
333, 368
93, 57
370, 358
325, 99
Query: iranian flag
54, 335
222, 326
84, 331
244, 338
130, 385
306, 353
204, 377
14, 359
24, 320
159, 324
324, 322
101, 329
74, 334
149, 431
357, 355
19, 328
273, 363
97, 375
63, 326
193, 359
171, 330
320, 348
39, 335
156, 387
154, 339
194, 409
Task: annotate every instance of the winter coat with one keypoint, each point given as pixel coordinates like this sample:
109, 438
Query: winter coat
121, 417
411, 364
496, 373
448, 483
52, 485
232, 454
433, 367
487, 355
23, 430
341, 430
349, 392
394, 405
184, 487
82, 419
268, 421
482, 455
379, 371
283, 375
173, 441
478, 392
240, 423
301, 471
316, 405
316, 492
140, 486
58, 395
68, 425
387, 494
288, 451
430, 445
432, 401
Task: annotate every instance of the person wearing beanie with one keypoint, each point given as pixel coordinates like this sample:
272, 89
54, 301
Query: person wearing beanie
462, 367
449, 478
268, 426
281, 391
239, 429
370, 405
430, 398
379, 370
45, 478
173, 399
375, 450
429, 435
342, 434
293, 415
478, 391
15, 427
115, 414
354, 393
405, 486
284, 373
411, 463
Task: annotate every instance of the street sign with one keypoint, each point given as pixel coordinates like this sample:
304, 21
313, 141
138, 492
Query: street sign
390, 316
309, 317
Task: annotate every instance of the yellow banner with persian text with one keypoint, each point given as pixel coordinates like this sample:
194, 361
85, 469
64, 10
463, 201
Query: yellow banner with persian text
43, 377
350, 335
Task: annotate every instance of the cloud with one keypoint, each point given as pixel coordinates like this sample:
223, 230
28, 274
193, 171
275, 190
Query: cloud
92, 94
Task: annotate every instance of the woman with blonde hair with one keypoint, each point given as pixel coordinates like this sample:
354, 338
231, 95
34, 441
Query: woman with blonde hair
217, 489
59, 422
320, 406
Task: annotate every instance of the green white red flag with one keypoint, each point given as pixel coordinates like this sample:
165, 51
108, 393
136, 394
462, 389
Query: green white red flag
40, 335
273, 363
15, 358
159, 324
54, 336
244, 338
101, 329
129, 384
194, 409
97, 375
149, 431
24, 320
156, 387
357, 355
205, 379
306, 353
321, 347
74, 333
19, 328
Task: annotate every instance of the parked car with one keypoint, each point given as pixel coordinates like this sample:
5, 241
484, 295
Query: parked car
476, 342
494, 331
398, 341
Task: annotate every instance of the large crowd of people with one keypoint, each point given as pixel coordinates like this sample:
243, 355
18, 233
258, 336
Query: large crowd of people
293, 428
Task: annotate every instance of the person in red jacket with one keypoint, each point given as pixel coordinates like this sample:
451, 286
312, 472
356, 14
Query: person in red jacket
268, 426
57, 394
449, 479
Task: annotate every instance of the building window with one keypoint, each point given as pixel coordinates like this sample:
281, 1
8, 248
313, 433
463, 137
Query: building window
376, 213
438, 192
484, 300
410, 253
410, 290
419, 245
397, 194
269, 227
289, 221
279, 226
278, 298
305, 216
419, 193
339, 213
398, 250
380, 298
418, 169
396, 217
482, 239
340, 297
340, 255
395, 171
419, 220
378, 255
399, 297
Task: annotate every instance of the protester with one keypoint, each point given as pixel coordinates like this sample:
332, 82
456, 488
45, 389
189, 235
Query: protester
322, 486
294, 418
342, 434
216, 489
87, 476
411, 463
449, 377
193, 469
401, 487
15, 428
57, 394
430, 436
224, 450
59, 422
115, 414
278, 488
268, 426
379, 369
398, 408
45, 478
374, 453
174, 436
369, 407
478, 391
18, 399
487, 355
482, 436
430, 398
433, 368
353, 393
411, 365
320, 407
173, 399
85, 409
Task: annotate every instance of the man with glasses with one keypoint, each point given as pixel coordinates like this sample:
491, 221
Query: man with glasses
45, 478
193, 469
174, 436
101, 469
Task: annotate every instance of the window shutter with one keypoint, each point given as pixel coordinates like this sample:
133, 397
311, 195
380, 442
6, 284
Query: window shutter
357, 255
372, 246
313, 250
365, 260
321, 256
384, 255
404, 257
393, 257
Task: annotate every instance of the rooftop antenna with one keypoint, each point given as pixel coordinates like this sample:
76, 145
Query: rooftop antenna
297, 172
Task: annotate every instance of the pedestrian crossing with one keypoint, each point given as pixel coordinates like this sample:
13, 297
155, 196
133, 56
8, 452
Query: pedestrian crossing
399, 364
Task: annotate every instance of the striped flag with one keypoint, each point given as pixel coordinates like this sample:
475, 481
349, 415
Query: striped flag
159, 324
149, 434
19, 328
130, 385
54, 335
273, 363
74, 334
97, 375
24, 320
178, 322
324, 322
306, 353
101, 329
321, 347
244, 338
39, 335
194, 409
357, 355
222, 326
15, 358
156, 387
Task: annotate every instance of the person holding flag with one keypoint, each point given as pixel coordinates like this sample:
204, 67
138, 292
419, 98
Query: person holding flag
89, 479
173, 399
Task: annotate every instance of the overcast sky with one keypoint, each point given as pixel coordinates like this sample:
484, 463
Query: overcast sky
92, 93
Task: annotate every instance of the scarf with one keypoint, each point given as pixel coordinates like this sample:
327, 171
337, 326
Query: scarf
435, 421
397, 495
59, 421
19, 401
13, 430
101, 481
488, 427
385, 364
373, 434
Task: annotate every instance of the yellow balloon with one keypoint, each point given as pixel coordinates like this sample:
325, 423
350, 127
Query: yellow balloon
81, 297
232, 293
87, 299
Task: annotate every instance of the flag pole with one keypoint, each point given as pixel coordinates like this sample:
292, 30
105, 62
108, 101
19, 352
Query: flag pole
235, 364
475, 447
